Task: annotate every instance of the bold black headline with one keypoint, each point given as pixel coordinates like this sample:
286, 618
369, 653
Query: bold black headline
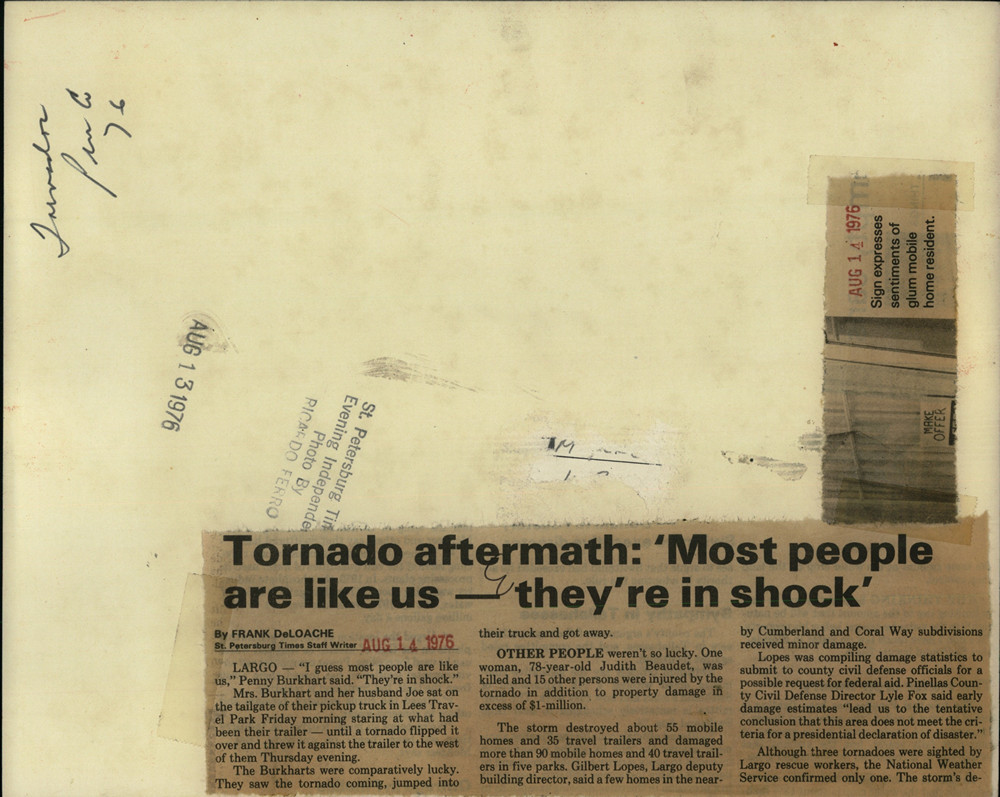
325, 592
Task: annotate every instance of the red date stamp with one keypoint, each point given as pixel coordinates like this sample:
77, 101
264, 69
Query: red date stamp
852, 224
427, 642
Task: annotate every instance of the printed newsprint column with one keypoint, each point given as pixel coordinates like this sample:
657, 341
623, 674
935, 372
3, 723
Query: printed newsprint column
890, 356
666, 659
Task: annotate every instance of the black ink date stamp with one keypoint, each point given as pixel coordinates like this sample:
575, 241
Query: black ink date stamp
193, 345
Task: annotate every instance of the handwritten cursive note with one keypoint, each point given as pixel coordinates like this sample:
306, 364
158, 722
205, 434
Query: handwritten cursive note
83, 164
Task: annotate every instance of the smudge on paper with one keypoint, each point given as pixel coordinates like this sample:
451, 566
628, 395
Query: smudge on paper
404, 371
789, 471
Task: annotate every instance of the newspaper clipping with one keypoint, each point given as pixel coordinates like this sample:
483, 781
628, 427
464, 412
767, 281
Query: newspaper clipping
667, 659
890, 358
